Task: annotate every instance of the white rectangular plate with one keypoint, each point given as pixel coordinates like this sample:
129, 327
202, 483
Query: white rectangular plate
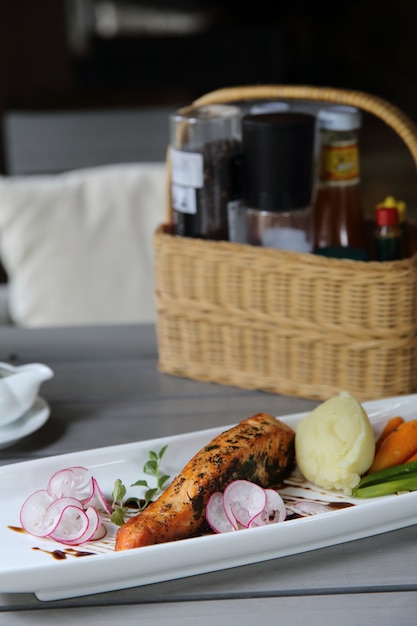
30, 564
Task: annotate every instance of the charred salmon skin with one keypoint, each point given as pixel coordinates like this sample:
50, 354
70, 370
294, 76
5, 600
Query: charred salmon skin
259, 449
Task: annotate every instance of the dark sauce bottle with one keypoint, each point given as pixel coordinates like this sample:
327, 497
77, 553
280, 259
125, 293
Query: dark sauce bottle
338, 216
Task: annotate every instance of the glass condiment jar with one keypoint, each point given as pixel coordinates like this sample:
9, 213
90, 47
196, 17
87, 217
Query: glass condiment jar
277, 152
338, 216
204, 142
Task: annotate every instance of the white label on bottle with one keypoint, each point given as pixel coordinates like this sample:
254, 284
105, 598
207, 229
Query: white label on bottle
187, 168
184, 199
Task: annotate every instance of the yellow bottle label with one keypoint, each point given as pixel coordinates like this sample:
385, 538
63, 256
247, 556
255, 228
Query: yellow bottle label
339, 163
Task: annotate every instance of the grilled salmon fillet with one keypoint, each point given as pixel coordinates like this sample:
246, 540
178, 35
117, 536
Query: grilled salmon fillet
259, 449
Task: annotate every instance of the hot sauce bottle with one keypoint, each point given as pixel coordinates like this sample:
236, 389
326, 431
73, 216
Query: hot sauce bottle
338, 218
388, 241
401, 207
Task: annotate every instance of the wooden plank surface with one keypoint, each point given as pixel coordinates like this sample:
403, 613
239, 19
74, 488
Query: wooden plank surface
107, 390
347, 610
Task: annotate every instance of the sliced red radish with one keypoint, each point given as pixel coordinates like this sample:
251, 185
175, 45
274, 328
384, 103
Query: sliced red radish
94, 530
310, 507
274, 510
32, 513
67, 510
54, 511
71, 525
97, 499
244, 505
71, 481
242, 501
216, 515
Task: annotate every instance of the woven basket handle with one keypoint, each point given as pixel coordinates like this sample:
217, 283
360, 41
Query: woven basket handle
379, 107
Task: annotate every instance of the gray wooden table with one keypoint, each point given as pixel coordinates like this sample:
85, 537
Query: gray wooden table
107, 390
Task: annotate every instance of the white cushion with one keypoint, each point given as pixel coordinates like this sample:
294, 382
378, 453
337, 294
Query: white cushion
77, 246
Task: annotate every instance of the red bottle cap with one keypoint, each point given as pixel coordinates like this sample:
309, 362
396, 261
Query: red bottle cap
386, 216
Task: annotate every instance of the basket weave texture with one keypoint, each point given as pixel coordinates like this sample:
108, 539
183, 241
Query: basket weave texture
285, 322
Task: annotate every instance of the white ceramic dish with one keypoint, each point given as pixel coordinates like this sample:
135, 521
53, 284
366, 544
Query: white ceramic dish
19, 387
51, 571
30, 421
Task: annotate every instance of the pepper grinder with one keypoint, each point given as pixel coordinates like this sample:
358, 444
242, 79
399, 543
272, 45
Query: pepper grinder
204, 143
278, 158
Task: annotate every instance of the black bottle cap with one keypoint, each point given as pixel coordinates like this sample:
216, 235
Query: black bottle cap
278, 152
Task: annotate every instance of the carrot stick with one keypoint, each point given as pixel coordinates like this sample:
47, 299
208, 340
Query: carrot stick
412, 458
391, 425
397, 447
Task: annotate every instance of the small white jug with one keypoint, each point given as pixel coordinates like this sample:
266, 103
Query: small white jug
19, 386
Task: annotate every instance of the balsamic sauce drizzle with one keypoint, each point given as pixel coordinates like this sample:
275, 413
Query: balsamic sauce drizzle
58, 555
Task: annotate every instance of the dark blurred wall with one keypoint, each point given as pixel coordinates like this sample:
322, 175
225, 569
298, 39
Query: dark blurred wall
371, 46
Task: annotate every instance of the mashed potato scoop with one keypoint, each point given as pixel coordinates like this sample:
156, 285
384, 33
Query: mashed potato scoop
335, 443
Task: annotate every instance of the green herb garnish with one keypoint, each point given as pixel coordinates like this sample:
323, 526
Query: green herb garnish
121, 506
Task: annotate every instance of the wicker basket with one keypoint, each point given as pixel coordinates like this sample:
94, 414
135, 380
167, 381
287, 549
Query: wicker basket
285, 322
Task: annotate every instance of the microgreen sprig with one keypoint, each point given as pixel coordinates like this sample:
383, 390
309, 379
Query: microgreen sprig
120, 505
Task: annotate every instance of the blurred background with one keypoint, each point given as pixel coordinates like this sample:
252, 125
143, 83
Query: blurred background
61, 53
89, 54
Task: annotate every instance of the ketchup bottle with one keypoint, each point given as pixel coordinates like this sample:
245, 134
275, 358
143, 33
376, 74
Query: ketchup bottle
338, 218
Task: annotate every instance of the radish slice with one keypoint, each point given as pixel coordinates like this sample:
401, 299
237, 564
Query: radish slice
32, 513
216, 515
97, 499
71, 481
243, 501
54, 511
95, 529
67, 510
71, 526
310, 507
274, 510
244, 505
